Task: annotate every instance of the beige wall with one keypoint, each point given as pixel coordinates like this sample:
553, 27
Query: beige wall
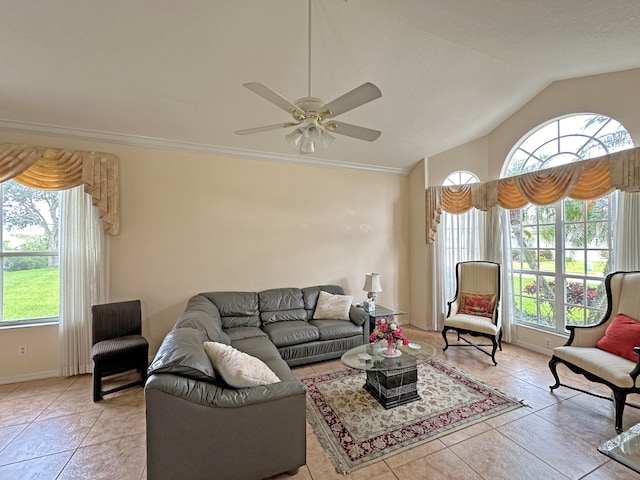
419, 258
193, 223
614, 95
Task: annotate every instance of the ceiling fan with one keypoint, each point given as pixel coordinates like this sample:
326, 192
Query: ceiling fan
312, 117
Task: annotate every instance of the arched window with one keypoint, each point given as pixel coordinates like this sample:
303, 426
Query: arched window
561, 253
462, 242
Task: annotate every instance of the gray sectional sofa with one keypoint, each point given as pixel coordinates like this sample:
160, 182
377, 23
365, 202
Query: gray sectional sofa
198, 427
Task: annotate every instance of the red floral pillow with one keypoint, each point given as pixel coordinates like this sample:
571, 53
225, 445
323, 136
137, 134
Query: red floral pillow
479, 304
622, 334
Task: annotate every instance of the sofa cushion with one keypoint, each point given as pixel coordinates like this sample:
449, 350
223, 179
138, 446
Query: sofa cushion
182, 353
203, 315
259, 347
237, 368
476, 323
294, 332
612, 368
333, 329
240, 333
237, 309
310, 296
281, 304
334, 307
621, 336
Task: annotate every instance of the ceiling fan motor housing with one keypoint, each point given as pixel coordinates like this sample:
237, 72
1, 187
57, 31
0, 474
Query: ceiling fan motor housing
310, 105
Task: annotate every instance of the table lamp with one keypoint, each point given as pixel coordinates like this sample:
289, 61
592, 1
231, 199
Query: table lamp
372, 286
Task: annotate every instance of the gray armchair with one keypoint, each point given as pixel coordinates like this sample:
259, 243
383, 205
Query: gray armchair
117, 344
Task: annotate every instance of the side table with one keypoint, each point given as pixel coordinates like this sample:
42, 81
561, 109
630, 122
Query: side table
380, 312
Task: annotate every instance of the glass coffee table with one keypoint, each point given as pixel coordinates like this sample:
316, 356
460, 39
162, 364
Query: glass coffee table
391, 381
625, 448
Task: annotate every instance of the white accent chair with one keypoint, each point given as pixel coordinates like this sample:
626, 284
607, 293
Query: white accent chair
477, 278
581, 355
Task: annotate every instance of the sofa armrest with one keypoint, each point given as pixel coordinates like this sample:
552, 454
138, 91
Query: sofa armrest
212, 395
357, 315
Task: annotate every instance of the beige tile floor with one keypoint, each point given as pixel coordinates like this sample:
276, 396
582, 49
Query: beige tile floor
51, 429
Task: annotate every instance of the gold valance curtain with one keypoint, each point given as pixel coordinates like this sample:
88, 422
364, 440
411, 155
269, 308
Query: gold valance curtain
59, 169
582, 180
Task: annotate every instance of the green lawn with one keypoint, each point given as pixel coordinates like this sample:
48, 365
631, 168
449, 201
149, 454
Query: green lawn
31, 294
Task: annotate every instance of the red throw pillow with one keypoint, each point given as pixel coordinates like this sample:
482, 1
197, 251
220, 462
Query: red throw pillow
622, 334
480, 304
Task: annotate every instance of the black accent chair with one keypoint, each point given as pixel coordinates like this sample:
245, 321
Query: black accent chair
474, 280
581, 355
117, 344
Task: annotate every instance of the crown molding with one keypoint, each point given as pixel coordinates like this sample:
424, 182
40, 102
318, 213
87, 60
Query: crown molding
161, 143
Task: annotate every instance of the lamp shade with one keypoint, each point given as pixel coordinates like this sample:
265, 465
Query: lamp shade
372, 283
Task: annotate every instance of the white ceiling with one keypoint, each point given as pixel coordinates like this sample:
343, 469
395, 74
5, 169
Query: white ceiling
450, 71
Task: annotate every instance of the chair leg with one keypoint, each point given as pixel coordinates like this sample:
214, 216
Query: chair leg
97, 385
553, 365
143, 372
444, 335
500, 340
620, 399
493, 350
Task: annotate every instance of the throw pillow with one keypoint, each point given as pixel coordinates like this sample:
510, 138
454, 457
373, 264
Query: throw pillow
332, 307
479, 304
622, 334
237, 368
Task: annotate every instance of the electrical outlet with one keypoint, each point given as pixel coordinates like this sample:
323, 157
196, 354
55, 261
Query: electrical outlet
547, 343
22, 350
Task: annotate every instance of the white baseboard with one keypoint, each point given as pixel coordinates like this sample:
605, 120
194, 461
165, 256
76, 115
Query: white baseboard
536, 348
30, 376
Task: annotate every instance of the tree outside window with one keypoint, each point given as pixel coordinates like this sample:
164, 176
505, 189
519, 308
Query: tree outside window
561, 253
30, 243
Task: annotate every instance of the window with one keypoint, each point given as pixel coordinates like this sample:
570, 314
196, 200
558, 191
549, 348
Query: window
561, 253
462, 242
30, 279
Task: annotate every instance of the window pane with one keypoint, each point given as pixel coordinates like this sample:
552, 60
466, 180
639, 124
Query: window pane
31, 288
29, 252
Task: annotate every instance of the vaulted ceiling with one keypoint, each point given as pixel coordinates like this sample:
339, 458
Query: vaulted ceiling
172, 72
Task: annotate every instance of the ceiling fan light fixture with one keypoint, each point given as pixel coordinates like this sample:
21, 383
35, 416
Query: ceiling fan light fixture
326, 139
294, 137
313, 132
307, 146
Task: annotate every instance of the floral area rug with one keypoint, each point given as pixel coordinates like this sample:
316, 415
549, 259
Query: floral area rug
356, 430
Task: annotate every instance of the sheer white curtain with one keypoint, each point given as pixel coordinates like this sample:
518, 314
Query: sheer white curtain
458, 240
84, 275
507, 310
627, 248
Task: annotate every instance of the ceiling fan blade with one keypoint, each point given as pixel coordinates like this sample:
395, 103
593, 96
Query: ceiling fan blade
272, 96
350, 100
266, 128
354, 131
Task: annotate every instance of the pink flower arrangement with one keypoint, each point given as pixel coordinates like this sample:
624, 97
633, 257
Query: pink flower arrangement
388, 329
